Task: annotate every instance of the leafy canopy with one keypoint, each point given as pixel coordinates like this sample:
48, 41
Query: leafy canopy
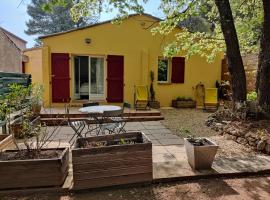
207, 40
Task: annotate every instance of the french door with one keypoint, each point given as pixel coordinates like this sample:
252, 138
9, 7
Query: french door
89, 78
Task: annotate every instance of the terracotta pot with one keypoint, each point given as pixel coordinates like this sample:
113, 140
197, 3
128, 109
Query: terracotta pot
201, 157
36, 109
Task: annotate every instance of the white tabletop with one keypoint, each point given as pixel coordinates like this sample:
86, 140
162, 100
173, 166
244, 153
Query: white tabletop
99, 109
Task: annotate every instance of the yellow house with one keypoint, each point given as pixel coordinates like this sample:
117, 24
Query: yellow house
103, 62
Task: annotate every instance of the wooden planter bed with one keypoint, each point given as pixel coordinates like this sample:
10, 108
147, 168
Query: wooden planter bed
183, 104
112, 164
34, 172
5, 141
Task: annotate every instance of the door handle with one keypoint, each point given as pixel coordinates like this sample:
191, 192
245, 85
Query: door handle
52, 75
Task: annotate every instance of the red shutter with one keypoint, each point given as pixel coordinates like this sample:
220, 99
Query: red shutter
60, 78
178, 70
115, 78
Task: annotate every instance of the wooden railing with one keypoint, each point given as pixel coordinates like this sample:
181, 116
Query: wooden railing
7, 78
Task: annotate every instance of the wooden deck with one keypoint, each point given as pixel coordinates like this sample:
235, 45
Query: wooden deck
57, 115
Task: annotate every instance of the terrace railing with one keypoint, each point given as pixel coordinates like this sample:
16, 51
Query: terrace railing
6, 79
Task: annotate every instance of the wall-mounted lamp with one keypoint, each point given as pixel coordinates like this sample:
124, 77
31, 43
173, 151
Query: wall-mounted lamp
87, 40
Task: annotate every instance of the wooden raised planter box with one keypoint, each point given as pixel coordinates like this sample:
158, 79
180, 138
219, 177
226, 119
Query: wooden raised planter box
5, 141
34, 172
183, 104
113, 164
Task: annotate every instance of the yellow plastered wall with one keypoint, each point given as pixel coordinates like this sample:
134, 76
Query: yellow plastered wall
34, 64
140, 49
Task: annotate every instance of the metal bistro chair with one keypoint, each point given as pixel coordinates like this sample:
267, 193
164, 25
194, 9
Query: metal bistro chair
124, 119
109, 121
91, 104
91, 117
77, 126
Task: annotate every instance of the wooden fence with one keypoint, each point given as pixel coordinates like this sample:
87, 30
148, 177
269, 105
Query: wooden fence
7, 78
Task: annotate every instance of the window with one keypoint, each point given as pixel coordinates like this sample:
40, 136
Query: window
163, 70
171, 70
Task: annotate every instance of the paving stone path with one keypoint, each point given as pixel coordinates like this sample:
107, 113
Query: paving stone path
169, 156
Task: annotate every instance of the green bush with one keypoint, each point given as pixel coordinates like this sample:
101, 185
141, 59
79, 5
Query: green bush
252, 96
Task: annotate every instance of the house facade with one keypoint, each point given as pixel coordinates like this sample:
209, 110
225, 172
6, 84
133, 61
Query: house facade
103, 62
11, 56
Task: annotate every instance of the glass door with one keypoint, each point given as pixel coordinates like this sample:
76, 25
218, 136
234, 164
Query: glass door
96, 74
81, 77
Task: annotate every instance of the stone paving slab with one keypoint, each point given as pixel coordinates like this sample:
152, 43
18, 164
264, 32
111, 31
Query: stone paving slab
164, 167
169, 156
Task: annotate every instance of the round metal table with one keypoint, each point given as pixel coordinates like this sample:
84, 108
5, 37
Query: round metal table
99, 109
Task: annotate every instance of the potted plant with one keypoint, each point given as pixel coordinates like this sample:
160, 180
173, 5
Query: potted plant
37, 98
21, 100
31, 164
200, 152
252, 102
153, 103
183, 102
112, 160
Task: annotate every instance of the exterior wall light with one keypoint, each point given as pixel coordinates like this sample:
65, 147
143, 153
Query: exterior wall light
87, 40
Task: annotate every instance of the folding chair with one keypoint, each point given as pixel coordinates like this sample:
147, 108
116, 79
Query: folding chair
211, 99
90, 104
77, 126
141, 97
110, 121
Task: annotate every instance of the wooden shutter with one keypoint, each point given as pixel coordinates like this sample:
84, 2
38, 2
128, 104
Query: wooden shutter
60, 78
178, 70
115, 78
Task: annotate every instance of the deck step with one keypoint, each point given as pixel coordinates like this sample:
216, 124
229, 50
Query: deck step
63, 121
82, 115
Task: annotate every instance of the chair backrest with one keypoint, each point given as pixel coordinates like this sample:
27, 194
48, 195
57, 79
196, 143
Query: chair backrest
141, 92
113, 113
126, 105
90, 104
211, 95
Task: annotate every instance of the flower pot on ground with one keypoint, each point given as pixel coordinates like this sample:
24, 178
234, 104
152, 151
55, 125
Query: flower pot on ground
182, 102
200, 152
37, 98
154, 104
19, 171
112, 160
5, 141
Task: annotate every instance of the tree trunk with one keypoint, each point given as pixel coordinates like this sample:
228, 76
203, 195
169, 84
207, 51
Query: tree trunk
260, 58
235, 63
264, 84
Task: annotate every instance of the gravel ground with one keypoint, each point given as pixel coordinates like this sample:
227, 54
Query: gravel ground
184, 122
229, 189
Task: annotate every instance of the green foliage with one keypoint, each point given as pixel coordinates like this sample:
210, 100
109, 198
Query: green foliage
51, 16
162, 70
37, 94
182, 98
201, 32
252, 96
